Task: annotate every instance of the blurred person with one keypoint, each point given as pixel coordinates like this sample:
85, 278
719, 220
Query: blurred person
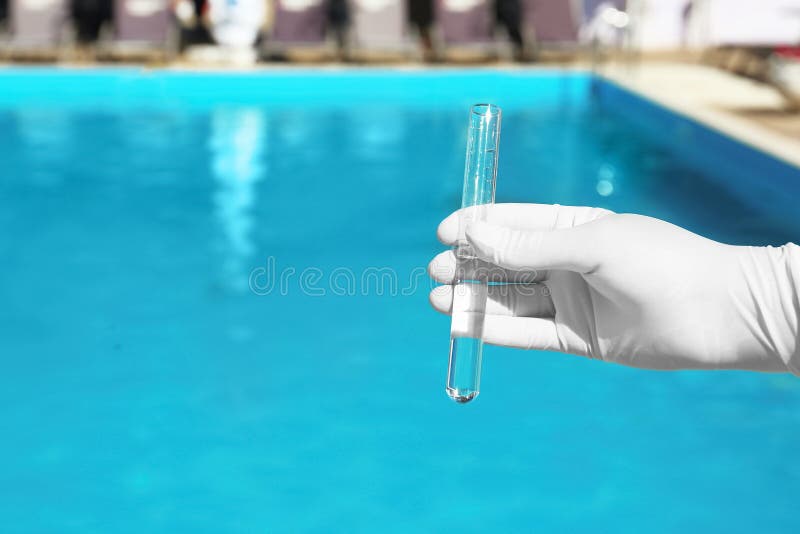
420, 16
508, 14
627, 289
191, 18
686, 16
89, 16
338, 16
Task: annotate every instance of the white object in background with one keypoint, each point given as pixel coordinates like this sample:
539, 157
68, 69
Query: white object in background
745, 23
375, 5
785, 72
460, 6
236, 23
184, 12
606, 27
40, 5
297, 6
658, 23
145, 8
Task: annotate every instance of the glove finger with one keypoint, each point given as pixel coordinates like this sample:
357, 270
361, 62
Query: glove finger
530, 333
521, 216
510, 300
570, 249
446, 269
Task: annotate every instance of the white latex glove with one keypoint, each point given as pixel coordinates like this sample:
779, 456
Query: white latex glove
628, 289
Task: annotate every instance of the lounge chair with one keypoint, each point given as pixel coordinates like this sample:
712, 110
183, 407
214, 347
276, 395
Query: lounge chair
143, 27
299, 29
466, 28
552, 23
379, 29
755, 50
37, 27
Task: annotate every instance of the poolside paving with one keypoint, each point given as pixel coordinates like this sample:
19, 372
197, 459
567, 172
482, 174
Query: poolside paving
751, 112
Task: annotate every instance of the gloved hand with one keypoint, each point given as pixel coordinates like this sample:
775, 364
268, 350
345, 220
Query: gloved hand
628, 289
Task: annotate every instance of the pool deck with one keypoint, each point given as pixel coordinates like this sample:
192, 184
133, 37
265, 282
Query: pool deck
745, 110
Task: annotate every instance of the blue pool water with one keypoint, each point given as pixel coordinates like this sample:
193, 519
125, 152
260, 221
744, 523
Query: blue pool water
146, 387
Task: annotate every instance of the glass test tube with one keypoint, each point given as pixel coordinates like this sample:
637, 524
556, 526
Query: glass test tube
469, 296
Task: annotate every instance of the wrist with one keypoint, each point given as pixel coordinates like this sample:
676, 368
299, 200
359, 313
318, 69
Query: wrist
790, 254
769, 307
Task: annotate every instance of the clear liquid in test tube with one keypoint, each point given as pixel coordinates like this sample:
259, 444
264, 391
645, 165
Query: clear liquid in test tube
469, 296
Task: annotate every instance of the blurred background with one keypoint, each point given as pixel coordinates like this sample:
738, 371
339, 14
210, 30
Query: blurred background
758, 40
154, 154
383, 30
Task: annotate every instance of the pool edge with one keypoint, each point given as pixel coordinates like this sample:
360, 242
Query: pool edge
747, 132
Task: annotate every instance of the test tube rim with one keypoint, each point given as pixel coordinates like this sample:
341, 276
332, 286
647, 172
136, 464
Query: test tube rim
486, 109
